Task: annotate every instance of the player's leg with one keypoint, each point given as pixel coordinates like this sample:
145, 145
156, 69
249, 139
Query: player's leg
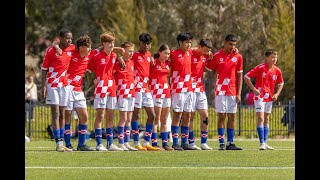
231, 113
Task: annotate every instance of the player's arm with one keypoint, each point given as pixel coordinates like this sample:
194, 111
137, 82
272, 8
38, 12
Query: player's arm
279, 89
239, 77
247, 80
122, 64
43, 83
55, 44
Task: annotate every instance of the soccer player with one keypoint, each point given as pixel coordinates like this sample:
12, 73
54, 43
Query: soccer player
105, 91
181, 90
77, 101
228, 65
55, 85
143, 97
200, 57
266, 75
124, 79
160, 91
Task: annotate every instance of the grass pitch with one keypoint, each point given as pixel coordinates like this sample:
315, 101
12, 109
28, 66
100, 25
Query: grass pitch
43, 162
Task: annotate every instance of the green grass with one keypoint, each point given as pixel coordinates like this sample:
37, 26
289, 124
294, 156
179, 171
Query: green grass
43, 162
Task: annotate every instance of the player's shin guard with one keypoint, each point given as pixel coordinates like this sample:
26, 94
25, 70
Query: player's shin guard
154, 139
135, 130
175, 134
109, 132
67, 134
126, 134
260, 131
98, 136
164, 137
221, 135
147, 135
184, 134
82, 134
230, 134
120, 134
204, 137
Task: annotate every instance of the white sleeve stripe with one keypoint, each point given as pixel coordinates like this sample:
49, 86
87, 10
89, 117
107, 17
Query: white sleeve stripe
44, 68
247, 77
281, 84
207, 69
240, 71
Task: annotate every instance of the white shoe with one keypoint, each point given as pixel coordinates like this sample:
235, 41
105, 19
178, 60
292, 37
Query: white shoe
205, 147
100, 147
130, 148
27, 139
194, 147
62, 148
269, 147
113, 147
122, 146
262, 146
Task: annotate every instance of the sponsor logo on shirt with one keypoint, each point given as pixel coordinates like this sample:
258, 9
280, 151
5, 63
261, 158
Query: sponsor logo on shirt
103, 61
69, 53
234, 59
264, 75
274, 77
221, 60
75, 59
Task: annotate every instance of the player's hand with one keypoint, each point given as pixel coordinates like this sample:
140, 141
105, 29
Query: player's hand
44, 92
236, 50
121, 63
55, 44
95, 82
256, 92
275, 97
238, 98
210, 54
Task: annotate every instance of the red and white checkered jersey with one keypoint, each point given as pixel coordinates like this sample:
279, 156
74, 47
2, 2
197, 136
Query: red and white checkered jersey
197, 67
159, 85
76, 70
57, 66
141, 70
125, 79
266, 79
180, 71
102, 65
226, 66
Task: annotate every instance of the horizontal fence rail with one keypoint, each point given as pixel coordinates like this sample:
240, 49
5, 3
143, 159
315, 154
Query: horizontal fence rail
281, 122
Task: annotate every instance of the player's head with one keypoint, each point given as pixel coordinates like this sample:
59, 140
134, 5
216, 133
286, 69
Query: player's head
184, 41
65, 36
145, 40
163, 52
83, 44
107, 40
271, 56
128, 49
205, 46
230, 42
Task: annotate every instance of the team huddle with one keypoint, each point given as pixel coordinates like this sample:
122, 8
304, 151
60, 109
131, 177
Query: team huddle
171, 79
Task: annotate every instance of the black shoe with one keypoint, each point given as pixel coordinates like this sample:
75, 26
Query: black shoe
85, 148
177, 147
187, 147
222, 147
232, 147
71, 147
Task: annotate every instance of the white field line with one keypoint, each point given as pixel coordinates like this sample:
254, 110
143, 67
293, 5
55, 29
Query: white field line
223, 167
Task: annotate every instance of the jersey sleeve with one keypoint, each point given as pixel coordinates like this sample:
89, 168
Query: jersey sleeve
239, 67
280, 78
47, 60
252, 73
211, 65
